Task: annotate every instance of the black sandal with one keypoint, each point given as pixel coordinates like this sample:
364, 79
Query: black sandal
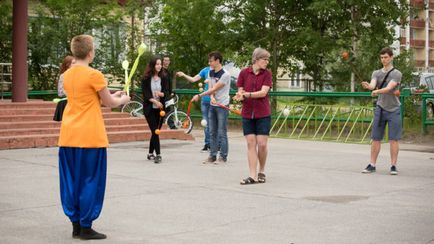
261, 178
248, 181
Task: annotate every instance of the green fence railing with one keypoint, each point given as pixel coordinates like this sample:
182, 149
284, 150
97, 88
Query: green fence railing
315, 121
348, 122
324, 122
32, 93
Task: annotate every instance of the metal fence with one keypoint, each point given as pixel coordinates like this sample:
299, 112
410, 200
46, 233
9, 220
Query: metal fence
5, 78
350, 122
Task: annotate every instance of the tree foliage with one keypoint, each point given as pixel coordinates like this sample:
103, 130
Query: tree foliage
6, 31
267, 24
304, 35
313, 33
189, 30
53, 27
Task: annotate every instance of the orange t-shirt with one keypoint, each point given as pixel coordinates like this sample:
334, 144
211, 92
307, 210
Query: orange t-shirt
82, 122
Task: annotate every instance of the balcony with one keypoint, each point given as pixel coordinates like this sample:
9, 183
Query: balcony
417, 23
431, 63
431, 44
431, 6
417, 3
420, 63
417, 43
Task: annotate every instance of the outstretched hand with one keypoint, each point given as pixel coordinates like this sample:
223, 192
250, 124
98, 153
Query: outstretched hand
238, 97
365, 85
125, 98
195, 98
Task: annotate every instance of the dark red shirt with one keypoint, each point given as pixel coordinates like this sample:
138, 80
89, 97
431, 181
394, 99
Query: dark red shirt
255, 108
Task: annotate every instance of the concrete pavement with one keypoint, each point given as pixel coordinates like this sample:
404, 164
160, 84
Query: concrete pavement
314, 193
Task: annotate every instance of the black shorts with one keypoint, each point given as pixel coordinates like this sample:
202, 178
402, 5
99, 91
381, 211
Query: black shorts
259, 126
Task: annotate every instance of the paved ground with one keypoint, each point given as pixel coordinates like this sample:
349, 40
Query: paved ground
315, 193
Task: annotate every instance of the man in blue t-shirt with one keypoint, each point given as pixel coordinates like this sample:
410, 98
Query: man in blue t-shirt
204, 106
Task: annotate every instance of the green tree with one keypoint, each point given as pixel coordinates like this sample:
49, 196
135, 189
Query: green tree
369, 26
54, 25
315, 32
135, 33
188, 30
268, 24
6, 31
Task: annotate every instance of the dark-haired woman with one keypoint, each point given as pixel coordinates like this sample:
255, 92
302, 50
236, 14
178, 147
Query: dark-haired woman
155, 89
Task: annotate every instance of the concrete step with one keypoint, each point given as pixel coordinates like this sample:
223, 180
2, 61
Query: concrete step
56, 130
54, 124
51, 140
7, 104
36, 111
30, 124
49, 117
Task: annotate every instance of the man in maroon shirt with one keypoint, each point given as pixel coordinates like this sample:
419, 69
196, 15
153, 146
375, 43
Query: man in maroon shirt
253, 83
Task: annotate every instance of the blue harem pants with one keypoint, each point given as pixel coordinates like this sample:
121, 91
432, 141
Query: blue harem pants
82, 173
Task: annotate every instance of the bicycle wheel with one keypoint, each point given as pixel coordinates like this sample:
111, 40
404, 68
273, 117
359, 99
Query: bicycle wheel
134, 108
176, 121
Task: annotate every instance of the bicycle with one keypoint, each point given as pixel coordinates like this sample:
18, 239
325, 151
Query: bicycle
134, 107
175, 119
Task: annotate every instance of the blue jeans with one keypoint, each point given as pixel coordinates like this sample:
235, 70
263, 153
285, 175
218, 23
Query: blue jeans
218, 119
204, 107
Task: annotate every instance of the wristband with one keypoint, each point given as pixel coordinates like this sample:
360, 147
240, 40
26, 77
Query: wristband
250, 94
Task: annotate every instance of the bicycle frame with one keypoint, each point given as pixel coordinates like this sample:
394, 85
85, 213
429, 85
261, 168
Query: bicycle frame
173, 102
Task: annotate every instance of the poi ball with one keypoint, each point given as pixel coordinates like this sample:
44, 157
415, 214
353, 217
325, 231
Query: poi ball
125, 64
142, 48
201, 89
162, 113
345, 55
397, 93
203, 123
285, 112
200, 84
157, 131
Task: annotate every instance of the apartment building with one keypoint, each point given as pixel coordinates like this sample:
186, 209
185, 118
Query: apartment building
418, 34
